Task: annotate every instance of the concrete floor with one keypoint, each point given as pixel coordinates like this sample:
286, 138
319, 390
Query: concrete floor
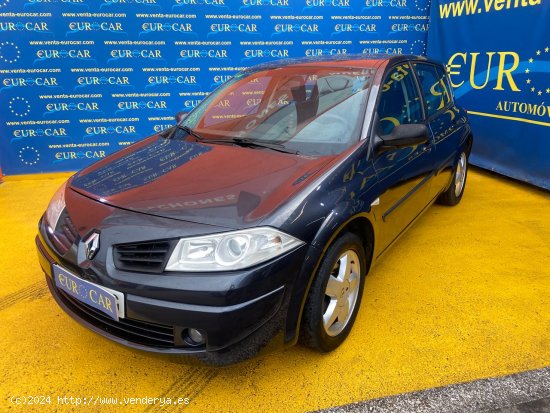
464, 295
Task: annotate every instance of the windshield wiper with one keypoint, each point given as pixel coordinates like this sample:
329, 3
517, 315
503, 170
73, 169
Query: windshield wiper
187, 130
253, 144
236, 141
191, 132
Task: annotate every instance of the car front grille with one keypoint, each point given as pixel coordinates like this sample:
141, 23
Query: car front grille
64, 235
143, 256
139, 332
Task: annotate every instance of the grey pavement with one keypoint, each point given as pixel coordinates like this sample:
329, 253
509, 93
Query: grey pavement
527, 392
535, 406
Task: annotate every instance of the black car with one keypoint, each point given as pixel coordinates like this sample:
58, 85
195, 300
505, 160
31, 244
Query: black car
257, 217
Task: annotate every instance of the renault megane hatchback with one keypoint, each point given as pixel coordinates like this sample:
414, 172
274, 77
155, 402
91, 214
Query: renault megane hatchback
257, 217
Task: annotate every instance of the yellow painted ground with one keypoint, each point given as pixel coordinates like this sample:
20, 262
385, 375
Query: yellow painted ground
463, 295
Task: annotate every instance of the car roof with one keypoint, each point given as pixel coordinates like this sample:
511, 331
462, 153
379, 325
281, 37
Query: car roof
368, 61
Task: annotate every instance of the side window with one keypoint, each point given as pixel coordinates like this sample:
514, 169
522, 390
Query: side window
446, 87
434, 87
399, 101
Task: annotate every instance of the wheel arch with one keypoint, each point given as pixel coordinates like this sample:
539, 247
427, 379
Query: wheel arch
362, 225
469, 143
363, 228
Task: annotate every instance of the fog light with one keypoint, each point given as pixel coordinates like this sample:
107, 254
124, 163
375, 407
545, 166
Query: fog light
193, 337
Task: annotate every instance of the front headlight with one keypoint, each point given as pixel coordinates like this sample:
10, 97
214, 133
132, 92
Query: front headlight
230, 250
56, 206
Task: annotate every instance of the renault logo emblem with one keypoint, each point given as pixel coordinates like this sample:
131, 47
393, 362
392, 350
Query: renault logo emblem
92, 245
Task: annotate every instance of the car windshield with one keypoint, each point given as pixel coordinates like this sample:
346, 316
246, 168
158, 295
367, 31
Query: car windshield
310, 110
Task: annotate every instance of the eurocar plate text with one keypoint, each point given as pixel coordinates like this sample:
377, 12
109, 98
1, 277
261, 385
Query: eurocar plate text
87, 292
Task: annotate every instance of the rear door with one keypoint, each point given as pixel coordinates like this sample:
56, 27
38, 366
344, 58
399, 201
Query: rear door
444, 119
404, 174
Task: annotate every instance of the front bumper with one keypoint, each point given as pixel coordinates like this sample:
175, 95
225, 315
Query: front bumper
159, 325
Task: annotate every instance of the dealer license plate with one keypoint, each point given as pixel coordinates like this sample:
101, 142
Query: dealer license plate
103, 299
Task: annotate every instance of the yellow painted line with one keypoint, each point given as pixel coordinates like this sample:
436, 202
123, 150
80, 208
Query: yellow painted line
462, 296
492, 115
23, 203
26, 177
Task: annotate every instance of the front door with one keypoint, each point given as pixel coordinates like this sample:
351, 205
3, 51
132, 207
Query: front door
404, 174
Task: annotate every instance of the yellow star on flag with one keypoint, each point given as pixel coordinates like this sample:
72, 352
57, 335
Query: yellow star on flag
528, 81
548, 90
547, 50
531, 60
539, 93
538, 52
527, 71
532, 89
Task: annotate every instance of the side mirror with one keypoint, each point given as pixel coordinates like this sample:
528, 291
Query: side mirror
180, 116
403, 136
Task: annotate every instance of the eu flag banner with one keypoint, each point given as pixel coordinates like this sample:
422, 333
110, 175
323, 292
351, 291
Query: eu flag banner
498, 57
80, 79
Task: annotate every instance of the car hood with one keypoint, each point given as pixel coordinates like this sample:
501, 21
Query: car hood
216, 184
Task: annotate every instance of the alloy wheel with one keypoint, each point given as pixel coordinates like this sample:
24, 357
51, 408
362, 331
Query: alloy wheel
460, 175
341, 293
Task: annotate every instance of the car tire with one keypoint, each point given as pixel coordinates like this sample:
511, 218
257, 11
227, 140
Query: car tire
338, 284
453, 194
